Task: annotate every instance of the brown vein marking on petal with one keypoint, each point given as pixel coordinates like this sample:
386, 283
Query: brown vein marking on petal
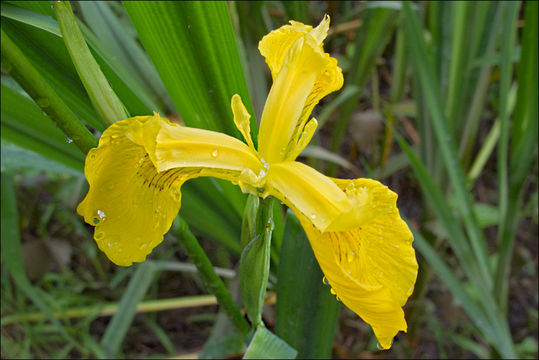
160, 181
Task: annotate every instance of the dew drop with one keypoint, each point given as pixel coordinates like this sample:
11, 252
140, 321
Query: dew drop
101, 214
313, 216
350, 256
333, 292
379, 347
175, 195
215, 153
95, 221
142, 246
325, 281
99, 236
338, 298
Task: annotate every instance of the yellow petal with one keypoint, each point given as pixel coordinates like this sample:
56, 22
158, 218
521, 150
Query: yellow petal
131, 203
303, 188
284, 105
180, 146
275, 45
372, 268
293, 96
328, 81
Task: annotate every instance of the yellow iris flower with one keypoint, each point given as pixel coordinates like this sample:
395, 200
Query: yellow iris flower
360, 241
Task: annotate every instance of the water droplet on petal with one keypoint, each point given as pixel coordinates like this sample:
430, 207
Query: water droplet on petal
350, 256
96, 221
101, 214
338, 298
379, 347
325, 281
215, 153
332, 291
175, 195
143, 246
313, 216
99, 236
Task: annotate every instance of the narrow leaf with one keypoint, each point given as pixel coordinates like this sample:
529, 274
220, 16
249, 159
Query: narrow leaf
104, 99
266, 345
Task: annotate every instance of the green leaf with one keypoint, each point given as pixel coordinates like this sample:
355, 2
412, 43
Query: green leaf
32, 81
141, 280
25, 125
266, 345
12, 255
255, 258
118, 36
47, 49
47, 53
445, 141
523, 145
306, 312
193, 48
104, 99
15, 157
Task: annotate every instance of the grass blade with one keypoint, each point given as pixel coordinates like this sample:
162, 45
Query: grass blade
431, 91
523, 147
127, 308
104, 99
12, 255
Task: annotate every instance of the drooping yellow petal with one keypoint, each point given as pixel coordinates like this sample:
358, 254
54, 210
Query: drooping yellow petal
372, 268
285, 116
131, 202
284, 105
303, 188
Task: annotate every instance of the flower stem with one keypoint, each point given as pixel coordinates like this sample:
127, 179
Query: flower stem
215, 285
21, 69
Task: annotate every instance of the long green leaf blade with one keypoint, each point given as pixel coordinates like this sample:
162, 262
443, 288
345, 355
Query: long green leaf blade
104, 99
305, 312
193, 48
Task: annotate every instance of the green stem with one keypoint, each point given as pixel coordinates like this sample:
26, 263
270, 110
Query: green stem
255, 258
215, 285
22, 70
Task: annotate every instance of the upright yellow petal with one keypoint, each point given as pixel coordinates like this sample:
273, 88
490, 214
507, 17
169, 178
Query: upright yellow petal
135, 175
276, 44
287, 97
372, 268
292, 97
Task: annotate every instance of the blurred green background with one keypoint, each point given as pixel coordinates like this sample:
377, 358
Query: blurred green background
439, 103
